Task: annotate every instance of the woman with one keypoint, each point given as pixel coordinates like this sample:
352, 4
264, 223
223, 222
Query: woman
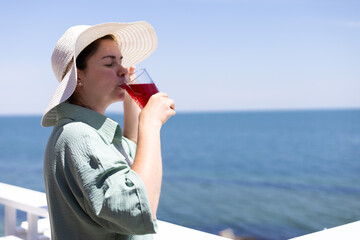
101, 182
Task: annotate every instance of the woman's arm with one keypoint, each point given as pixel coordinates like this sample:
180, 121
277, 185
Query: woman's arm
131, 115
148, 162
131, 119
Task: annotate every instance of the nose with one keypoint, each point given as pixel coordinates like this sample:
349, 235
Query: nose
122, 71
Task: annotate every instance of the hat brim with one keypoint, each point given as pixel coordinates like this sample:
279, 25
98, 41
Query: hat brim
136, 40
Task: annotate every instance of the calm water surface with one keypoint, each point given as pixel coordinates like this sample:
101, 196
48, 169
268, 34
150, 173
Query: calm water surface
270, 175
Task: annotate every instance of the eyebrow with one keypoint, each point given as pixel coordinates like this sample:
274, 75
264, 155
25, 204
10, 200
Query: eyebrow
112, 57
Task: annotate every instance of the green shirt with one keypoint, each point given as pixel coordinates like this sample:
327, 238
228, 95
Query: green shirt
92, 191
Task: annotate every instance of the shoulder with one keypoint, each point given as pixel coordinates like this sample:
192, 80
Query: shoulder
75, 131
73, 142
73, 134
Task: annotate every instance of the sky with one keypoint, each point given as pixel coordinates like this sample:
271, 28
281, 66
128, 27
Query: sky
212, 55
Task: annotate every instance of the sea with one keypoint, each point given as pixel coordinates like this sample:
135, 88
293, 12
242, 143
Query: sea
262, 174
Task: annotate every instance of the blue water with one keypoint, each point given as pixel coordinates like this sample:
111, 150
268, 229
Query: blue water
269, 175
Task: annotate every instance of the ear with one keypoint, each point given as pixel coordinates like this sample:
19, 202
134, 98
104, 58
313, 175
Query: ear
80, 75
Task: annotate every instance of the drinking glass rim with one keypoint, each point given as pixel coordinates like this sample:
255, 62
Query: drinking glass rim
140, 72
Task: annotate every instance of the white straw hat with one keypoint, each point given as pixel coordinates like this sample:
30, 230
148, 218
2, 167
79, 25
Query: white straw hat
136, 40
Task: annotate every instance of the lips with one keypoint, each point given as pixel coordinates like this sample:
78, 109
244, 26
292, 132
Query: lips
122, 82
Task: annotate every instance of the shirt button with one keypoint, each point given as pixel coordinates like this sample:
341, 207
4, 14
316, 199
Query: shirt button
128, 182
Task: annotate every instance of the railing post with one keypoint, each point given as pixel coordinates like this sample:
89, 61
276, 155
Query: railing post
32, 232
10, 220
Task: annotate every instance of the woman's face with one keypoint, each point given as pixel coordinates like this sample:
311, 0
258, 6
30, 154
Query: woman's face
102, 77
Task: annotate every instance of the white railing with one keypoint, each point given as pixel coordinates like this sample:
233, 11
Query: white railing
350, 231
30, 201
34, 204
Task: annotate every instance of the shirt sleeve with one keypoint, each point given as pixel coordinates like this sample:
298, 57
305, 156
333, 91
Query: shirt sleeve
129, 147
112, 194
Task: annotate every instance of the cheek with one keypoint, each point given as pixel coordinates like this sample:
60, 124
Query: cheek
105, 81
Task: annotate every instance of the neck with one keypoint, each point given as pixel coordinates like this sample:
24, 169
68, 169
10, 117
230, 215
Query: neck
77, 100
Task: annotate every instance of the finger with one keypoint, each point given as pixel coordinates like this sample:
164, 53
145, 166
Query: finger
131, 70
161, 94
173, 112
170, 103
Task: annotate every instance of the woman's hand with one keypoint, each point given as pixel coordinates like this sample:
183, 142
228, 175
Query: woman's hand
158, 110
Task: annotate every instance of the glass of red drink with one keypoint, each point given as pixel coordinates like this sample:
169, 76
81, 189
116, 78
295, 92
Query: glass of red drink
140, 87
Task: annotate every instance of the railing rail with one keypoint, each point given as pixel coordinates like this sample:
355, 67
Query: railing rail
34, 204
17, 198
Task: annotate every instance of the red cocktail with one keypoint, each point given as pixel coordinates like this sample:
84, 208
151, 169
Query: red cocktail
140, 87
141, 92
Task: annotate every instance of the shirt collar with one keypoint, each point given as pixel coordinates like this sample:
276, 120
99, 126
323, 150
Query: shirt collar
106, 127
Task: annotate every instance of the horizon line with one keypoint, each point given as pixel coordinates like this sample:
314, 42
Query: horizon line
215, 111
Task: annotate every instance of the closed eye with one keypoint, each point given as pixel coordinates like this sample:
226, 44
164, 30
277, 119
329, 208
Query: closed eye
113, 59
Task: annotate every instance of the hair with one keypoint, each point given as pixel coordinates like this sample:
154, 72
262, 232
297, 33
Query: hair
90, 50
